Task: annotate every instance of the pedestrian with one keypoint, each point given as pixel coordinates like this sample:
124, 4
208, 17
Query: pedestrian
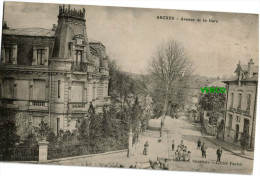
219, 153
178, 148
204, 150
188, 157
184, 155
146, 145
165, 165
198, 144
182, 144
172, 145
179, 152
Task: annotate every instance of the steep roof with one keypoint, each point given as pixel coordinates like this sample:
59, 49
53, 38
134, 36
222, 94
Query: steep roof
216, 83
253, 78
92, 41
232, 79
35, 32
244, 68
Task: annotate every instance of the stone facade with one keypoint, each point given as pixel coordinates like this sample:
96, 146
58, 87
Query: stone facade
54, 75
241, 103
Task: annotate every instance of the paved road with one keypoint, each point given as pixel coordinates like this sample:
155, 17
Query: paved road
183, 129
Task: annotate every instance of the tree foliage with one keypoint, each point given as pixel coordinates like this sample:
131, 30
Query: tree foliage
213, 102
8, 137
169, 68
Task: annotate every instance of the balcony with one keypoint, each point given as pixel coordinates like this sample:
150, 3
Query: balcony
79, 67
239, 111
26, 104
103, 71
246, 112
232, 109
9, 102
78, 106
38, 105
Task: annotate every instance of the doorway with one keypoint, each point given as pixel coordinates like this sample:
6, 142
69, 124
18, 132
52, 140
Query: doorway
246, 126
237, 133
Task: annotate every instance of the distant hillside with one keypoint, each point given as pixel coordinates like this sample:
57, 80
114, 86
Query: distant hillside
132, 75
197, 81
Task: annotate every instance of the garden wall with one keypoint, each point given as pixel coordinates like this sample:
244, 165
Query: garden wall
91, 160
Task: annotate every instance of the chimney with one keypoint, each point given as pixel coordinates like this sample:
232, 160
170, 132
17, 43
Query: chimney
54, 27
5, 25
250, 68
238, 73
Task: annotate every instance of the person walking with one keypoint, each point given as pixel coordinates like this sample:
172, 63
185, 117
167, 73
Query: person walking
198, 144
219, 153
173, 145
146, 146
204, 150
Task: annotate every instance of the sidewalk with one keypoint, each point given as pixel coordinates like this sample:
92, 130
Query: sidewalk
236, 150
156, 149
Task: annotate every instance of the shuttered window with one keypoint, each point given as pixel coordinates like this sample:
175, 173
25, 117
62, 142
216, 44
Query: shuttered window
8, 88
77, 92
8, 54
22, 89
39, 90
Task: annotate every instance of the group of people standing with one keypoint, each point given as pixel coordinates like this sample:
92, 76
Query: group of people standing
202, 146
182, 152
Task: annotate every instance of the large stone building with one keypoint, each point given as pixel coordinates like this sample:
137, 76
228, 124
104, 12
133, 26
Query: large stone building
54, 75
241, 103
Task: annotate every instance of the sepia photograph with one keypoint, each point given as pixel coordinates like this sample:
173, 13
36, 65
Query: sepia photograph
121, 87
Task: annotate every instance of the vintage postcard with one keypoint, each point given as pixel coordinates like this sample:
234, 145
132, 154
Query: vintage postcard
128, 87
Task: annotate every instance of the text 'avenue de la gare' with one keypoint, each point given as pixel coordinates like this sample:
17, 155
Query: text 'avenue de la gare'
161, 17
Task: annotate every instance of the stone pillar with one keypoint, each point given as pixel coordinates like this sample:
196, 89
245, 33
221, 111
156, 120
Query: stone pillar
2, 54
43, 151
130, 143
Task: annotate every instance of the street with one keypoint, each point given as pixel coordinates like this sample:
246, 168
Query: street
183, 129
179, 129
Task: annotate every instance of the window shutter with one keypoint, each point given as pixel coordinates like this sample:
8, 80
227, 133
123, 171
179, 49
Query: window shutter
14, 54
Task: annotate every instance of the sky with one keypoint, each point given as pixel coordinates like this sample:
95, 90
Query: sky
132, 35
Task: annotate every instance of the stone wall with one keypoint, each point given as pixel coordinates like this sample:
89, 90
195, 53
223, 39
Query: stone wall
210, 129
93, 159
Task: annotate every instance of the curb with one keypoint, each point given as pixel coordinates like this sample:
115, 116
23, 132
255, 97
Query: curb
222, 146
226, 148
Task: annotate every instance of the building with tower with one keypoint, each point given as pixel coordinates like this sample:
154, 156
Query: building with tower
54, 75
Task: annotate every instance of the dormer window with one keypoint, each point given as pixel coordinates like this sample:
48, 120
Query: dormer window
79, 39
40, 57
78, 57
8, 55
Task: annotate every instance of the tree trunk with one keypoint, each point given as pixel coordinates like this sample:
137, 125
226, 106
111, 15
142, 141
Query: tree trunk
163, 117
